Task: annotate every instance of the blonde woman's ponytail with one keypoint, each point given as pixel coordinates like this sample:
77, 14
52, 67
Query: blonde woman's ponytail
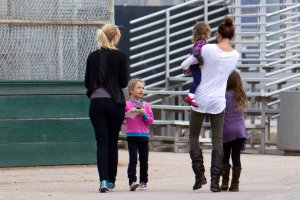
106, 35
102, 40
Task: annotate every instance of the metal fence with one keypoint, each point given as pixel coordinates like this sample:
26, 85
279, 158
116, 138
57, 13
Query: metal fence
49, 39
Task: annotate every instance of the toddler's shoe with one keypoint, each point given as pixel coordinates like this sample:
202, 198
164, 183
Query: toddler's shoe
110, 185
191, 101
143, 186
134, 186
103, 186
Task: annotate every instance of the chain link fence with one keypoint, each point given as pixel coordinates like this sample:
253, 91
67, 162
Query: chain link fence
49, 39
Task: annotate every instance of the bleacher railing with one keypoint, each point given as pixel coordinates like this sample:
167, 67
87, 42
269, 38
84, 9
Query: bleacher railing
162, 40
267, 37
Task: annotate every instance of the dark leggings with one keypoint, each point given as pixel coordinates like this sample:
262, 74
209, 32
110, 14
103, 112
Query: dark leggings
107, 118
138, 151
234, 148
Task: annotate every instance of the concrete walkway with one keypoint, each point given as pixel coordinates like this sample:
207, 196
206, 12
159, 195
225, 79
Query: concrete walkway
263, 177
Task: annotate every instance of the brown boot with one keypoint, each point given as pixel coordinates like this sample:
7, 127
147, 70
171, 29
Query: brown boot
198, 168
236, 172
225, 176
216, 169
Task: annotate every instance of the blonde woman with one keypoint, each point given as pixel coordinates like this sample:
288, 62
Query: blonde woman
106, 74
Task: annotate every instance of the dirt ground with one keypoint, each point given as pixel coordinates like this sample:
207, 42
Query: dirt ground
170, 177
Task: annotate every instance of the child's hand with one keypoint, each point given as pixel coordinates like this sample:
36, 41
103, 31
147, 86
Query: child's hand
131, 110
187, 71
141, 111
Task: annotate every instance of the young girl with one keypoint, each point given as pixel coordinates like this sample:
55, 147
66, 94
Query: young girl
201, 32
138, 117
234, 131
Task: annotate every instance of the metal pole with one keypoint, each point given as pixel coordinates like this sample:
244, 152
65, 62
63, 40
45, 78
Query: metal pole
205, 10
111, 11
167, 48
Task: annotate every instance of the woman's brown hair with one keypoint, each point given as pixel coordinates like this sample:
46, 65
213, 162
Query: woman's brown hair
235, 84
226, 29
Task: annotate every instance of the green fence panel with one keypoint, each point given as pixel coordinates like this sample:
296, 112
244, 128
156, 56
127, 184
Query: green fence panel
45, 123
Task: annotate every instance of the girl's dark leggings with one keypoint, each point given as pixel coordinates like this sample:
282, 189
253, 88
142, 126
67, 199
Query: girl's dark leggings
234, 149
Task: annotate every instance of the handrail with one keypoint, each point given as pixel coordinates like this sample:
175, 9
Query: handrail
282, 80
282, 20
283, 10
283, 40
146, 52
147, 25
281, 90
282, 70
262, 5
148, 60
282, 50
148, 69
147, 34
273, 102
163, 11
147, 43
283, 30
282, 60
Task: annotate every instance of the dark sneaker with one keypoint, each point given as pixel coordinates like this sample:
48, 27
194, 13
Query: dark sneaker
103, 186
191, 101
134, 186
143, 186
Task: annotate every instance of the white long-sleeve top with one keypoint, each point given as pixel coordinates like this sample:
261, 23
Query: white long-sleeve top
191, 60
218, 64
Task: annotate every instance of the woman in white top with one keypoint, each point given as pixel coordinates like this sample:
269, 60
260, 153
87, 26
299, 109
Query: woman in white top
219, 61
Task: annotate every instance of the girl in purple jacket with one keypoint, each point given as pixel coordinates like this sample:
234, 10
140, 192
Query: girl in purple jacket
139, 117
234, 131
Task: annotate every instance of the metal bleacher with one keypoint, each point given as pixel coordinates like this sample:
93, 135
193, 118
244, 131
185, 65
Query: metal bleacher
267, 37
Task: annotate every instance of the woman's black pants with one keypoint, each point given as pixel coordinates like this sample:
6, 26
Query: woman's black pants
107, 118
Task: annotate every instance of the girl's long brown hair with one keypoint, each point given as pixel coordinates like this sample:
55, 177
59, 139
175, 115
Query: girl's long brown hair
235, 84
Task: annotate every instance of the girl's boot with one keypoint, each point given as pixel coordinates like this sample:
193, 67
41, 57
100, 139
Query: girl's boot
225, 176
236, 172
198, 168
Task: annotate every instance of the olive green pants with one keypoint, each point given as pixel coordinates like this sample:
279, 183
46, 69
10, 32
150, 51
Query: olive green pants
216, 121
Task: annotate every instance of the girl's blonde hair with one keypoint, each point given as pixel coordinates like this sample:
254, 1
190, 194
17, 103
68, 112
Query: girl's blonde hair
201, 31
132, 83
106, 34
235, 84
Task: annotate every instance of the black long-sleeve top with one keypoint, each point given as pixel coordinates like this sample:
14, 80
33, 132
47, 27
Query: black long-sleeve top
107, 69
